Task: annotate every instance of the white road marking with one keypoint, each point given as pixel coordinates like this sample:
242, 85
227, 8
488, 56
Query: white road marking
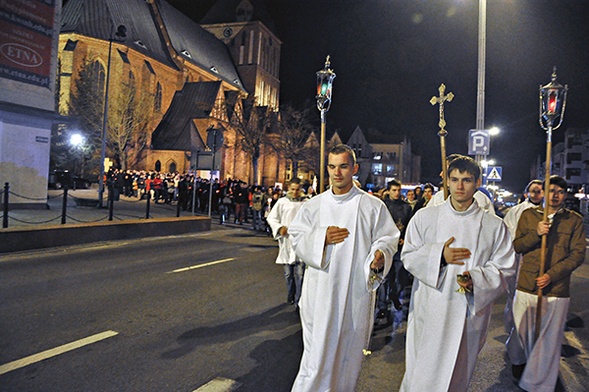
219, 384
55, 351
200, 265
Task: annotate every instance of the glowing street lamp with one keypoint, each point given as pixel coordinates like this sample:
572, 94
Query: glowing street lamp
324, 86
77, 140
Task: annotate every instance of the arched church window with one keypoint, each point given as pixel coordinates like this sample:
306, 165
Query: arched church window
158, 97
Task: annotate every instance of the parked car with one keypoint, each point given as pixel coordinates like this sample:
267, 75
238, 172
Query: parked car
61, 178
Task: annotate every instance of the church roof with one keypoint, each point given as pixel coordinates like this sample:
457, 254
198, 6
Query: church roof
231, 11
177, 130
100, 19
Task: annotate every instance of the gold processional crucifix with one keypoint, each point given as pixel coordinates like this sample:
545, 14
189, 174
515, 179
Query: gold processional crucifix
442, 133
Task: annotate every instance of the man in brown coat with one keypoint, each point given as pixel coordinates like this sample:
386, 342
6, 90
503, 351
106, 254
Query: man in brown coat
536, 364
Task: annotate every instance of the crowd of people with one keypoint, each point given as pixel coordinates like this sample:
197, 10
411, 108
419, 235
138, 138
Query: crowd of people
354, 260
230, 198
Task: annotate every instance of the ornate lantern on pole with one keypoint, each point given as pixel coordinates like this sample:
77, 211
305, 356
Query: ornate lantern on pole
324, 85
553, 98
121, 34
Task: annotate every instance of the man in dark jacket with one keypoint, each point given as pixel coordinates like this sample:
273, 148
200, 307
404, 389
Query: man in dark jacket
398, 282
536, 362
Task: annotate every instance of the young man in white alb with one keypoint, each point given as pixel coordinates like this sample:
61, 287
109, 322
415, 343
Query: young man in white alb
449, 316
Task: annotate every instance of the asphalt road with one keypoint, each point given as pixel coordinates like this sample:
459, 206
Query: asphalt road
188, 312
175, 331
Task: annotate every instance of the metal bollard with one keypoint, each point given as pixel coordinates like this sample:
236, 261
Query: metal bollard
110, 202
147, 206
5, 206
64, 205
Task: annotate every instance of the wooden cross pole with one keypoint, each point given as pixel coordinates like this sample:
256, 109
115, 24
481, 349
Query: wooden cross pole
442, 132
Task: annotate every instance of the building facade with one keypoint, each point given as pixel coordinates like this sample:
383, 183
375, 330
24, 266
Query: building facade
570, 160
382, 162
184, 77
28, 63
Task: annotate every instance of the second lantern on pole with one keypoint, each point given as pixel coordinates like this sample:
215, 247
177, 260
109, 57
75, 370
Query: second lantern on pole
324, 85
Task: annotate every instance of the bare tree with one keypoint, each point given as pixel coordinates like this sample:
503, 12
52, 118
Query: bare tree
252, 124
294, 128
128, 120
86, 106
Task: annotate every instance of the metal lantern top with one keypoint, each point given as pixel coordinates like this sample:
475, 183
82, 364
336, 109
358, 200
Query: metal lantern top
552, 103
324, 85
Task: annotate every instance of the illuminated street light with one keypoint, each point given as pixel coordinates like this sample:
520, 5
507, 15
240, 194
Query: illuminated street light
77, 140
324, 86
121, 34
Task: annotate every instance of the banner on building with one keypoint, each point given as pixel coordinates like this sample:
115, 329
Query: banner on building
26, 33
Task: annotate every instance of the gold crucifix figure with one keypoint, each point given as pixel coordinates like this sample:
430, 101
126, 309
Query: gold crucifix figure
440, 100
442, 133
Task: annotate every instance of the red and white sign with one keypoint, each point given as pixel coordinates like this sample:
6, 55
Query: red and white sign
26, 33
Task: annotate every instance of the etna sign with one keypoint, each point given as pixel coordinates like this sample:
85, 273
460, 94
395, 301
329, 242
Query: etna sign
27, 41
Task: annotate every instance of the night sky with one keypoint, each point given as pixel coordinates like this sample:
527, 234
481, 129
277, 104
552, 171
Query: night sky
390, 57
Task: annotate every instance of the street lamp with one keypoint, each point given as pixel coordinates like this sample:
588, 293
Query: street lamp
76, 139
324, 84
482, 41
553, 98
121, 33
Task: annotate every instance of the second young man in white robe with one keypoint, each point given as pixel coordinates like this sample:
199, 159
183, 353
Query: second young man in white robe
446, 328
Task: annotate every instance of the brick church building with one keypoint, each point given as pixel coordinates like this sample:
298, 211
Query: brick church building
190, 77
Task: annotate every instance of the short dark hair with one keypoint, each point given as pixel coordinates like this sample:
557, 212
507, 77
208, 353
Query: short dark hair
465, 164
295, 180
394, 182
341, 149
558, 181
430, 186
450, 158
537, 182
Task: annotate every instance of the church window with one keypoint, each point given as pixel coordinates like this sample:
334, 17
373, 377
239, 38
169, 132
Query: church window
259, 54
250, 54
242, 49
98, 70
244, 11
149, 67
131, 79
158, 97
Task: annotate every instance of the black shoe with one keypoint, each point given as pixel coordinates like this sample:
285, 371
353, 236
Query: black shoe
517, 371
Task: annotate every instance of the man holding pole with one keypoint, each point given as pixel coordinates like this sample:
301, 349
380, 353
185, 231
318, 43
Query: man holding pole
534, 348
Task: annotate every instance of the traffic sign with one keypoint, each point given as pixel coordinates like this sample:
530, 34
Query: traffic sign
478, 142
494, 173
